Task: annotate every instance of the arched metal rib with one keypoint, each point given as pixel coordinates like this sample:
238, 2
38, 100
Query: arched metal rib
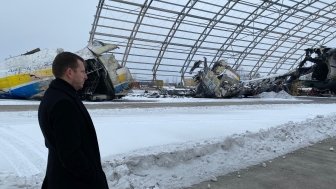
186, 9
218, 17
269, 29
233, 36
282, 52
135, 30
96, 20
298, 47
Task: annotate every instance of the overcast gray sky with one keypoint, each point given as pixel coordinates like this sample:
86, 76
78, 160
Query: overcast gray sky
26, 25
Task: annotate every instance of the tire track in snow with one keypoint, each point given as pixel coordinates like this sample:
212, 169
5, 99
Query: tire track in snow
21, 152
34, 146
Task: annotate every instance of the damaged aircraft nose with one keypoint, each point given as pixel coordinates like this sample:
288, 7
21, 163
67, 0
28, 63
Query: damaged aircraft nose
27, 76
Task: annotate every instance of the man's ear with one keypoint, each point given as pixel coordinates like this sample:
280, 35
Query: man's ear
68, 72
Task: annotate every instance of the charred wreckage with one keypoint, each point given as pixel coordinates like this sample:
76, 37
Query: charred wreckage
27, 76
222, 81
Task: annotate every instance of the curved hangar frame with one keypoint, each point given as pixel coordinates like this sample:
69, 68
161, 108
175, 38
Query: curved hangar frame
161, 39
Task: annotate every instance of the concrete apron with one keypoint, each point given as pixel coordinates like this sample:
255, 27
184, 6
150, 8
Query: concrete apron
307, 168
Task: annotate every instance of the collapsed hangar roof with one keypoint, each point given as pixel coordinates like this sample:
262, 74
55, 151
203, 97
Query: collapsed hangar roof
162, 39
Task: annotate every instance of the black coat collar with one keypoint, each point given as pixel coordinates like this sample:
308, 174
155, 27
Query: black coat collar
64, 86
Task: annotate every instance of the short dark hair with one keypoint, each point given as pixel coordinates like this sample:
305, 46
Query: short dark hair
63, 61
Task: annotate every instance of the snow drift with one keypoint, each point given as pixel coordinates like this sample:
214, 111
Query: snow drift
184, 164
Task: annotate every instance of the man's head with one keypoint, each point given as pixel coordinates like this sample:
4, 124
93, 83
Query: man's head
70, 67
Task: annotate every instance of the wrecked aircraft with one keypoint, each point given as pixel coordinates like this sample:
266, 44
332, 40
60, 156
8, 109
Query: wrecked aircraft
28, 76
323, 70
221, 81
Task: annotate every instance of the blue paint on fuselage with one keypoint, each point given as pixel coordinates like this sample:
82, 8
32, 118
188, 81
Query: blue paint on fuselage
121, 87
29, 90
23, 92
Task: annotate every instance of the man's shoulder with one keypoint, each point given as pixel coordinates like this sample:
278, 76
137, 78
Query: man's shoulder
54, 96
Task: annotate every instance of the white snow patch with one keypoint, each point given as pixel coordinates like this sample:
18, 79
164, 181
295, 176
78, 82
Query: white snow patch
281, 94
18, 102
138, 96
170, 147
181, 165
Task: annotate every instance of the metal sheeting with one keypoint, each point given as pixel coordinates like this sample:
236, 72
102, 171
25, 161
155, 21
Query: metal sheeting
161, 39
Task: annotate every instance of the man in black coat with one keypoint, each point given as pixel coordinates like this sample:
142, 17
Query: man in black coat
74, 157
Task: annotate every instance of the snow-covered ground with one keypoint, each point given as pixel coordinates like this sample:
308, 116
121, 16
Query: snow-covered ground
170, 147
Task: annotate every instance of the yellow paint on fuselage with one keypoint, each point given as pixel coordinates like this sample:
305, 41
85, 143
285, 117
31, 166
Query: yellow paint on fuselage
43, 73
20, 79
122, 77
14, 80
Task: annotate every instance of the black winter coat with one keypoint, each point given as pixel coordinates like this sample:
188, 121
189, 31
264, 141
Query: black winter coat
74, 157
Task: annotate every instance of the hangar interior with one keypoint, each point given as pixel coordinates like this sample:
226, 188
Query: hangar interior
161, 39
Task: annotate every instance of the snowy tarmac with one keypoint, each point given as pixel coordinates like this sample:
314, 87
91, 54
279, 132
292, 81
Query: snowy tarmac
170, 146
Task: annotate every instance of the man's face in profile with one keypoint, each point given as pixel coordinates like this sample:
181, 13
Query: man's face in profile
78, 76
